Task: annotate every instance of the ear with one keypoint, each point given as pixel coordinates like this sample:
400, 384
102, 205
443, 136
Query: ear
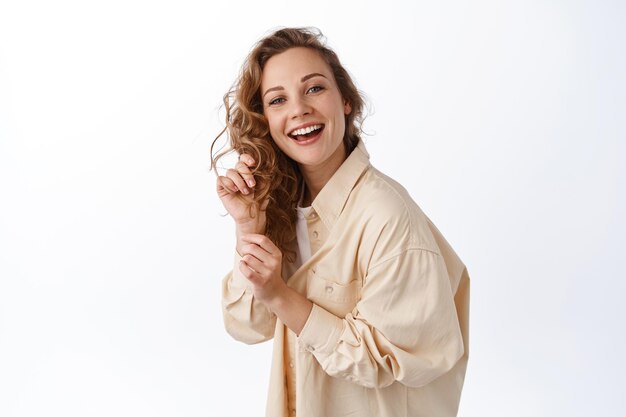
347, 108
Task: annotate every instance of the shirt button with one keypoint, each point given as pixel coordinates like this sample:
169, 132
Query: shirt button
315, 234
329, 289
291, 364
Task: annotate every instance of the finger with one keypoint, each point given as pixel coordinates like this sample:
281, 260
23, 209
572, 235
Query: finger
248, 272
243, 166
255, 251
263, 241
256, 265
234, 176
226, 186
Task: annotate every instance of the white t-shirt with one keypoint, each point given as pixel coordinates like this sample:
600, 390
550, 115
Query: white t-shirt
302, 235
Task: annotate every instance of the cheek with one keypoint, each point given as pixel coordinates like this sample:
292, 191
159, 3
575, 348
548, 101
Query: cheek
340, 120
336, 108
274, 125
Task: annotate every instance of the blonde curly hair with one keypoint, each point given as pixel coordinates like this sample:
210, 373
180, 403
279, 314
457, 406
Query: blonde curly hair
278, 178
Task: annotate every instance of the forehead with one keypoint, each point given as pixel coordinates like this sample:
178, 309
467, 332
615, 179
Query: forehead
290, 66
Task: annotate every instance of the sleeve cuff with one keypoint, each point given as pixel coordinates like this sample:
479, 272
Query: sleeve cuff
321, 331
238, 280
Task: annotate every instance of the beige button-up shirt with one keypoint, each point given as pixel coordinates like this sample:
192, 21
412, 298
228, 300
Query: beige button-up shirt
388, 332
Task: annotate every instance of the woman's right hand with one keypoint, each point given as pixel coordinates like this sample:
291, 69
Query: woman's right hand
236, 191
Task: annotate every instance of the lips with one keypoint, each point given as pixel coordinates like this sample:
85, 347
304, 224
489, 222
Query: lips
305, 131
309, 138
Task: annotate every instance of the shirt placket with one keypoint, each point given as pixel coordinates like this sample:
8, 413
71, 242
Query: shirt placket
316, 233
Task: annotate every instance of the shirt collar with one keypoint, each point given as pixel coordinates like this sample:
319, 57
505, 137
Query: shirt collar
331, 200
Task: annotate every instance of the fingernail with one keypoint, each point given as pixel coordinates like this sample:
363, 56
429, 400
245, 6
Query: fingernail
245, 191
250, 183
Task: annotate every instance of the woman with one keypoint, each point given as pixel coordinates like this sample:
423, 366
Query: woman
366, 301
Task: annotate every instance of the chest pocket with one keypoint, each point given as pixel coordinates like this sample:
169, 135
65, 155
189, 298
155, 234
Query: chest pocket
339, 299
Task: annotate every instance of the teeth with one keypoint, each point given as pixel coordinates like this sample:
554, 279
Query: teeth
305, 130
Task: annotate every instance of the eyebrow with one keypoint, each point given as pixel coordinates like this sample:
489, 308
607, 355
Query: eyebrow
303, 79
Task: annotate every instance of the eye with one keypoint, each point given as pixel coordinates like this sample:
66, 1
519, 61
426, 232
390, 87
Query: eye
315, 88
276, 101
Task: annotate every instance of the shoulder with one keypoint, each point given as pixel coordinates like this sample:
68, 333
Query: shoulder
389, 215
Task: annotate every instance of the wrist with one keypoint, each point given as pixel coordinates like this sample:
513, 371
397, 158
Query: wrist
254, 225
280, 298
291, 307
246, 229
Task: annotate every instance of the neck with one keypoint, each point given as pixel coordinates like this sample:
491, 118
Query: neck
312, 188
315, 178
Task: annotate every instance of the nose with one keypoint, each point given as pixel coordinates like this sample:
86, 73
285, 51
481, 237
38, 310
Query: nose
300, 107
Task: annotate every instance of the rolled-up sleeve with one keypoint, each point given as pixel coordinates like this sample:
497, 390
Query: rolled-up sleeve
404, 327
245, 318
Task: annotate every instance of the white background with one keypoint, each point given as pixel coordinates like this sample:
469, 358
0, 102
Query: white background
505, 120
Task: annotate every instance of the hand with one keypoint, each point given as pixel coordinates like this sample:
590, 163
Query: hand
236, 191
262, 264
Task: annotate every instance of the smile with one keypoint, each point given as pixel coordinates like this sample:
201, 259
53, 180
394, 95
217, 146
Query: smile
306, 132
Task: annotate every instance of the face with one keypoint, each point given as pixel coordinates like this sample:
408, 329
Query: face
304, 109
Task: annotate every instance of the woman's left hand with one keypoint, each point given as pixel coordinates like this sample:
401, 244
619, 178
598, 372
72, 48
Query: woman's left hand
262, 264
